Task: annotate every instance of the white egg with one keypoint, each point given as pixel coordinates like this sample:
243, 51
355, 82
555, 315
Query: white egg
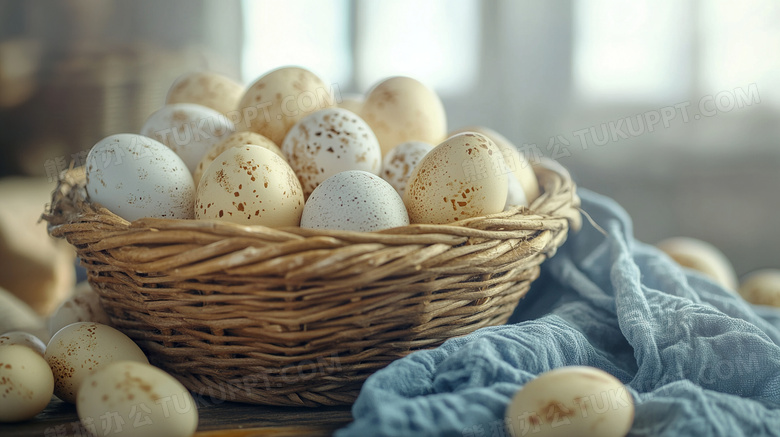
190, 130
354, 200
83, 306
703, 257
399, 163
330, 141
135, 176
140, 400
22, 338
26, 383
78, 350
571, 401
762, 287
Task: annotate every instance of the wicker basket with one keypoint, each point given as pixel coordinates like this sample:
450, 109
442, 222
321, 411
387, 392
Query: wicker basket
302, 317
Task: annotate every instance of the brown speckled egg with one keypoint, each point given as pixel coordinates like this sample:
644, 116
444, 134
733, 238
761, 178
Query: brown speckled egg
328, 142
26, 383
277, 100
78, 350
463, 177
401, 109
354, 200
206, 88
23, 339
148, 401
250, 185
399, 164
234, 140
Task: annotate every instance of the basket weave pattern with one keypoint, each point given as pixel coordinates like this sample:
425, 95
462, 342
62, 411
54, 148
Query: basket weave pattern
298, 316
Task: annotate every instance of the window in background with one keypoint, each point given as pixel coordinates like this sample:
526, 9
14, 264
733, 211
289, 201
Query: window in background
309, 33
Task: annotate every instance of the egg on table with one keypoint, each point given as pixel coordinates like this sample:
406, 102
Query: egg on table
328, 142
278, 99
250, 185
149, 401
82, 306
462, 177
190, 130
22, 338
401, 109
703, 257
206, 88
235, 139
134, 176
571, 401
78, 350
354, 200
762, 287
26, 383
399, 163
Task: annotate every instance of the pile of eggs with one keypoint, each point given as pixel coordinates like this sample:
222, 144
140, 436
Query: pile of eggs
285, 152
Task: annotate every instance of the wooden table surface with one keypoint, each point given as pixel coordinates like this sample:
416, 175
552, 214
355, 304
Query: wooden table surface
226, 419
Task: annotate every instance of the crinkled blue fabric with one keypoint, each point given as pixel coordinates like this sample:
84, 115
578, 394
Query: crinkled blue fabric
697, 359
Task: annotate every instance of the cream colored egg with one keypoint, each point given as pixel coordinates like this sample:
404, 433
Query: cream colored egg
250, 185
703, 257
83, 306
524, 187
189, 130
134, 176
235, 139
571, 401
26, 383
276, 101
328, 142
208, 89
139, 400
78, 350
460, 178
401, 109
22, 338
352, 103
762, 287
354, 200
399, 163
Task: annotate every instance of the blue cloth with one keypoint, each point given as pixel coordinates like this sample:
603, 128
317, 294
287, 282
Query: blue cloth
698, 360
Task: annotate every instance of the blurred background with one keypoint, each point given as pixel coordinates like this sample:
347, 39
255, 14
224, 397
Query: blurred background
672, 107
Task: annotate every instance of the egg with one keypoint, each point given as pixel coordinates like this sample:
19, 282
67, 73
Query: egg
328, 142
26, 383
401, 109
352, 103
206, 88
703, 257
276, 101
568, 401
235, 139
761, 287
83, 306
524, 186
78, 350
250, 185
399, 163
189, 130
354, 200
462, 177
134, 176
22, 338
140, 400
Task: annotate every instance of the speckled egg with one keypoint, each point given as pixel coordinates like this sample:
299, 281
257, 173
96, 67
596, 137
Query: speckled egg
148, 401
26, 383
22, 338
524, 186
235, 139
206, 88
354, 200
328, 142
463, 177
276, 101
401, 109
398, 165
250, 185
135, 176
190, 130
571, 401
78, 350
83, 306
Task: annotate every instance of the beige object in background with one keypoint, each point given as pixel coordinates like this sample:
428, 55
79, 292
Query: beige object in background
16, 315
35, 267
703, 257
206, 88
762, 287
